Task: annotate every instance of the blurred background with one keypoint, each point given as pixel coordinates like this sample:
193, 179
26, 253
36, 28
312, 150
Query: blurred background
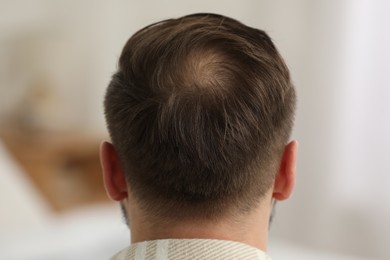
56, 58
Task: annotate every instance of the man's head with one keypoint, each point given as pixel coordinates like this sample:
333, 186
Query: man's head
199, 113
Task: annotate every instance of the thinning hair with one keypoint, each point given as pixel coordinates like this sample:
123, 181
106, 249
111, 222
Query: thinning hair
199, 112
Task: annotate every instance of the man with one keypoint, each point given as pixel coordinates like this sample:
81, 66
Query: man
199, 112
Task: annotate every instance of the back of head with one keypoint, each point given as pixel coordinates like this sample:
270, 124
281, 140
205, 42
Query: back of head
199, 112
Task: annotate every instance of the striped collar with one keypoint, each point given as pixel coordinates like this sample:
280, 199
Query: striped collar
190, 249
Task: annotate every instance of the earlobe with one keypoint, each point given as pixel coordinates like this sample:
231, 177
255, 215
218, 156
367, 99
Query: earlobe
113, 174
285, 178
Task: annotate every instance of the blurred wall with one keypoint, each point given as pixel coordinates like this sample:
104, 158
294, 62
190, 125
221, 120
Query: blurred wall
339, 59
343, 123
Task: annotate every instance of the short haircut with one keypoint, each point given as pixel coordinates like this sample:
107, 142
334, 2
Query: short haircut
199, 112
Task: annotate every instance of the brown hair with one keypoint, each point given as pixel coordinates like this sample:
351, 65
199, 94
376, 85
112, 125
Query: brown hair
199, 112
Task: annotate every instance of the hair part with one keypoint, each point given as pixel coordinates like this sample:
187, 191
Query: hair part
199, 111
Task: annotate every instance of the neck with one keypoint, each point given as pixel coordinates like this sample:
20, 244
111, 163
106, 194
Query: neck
251, 229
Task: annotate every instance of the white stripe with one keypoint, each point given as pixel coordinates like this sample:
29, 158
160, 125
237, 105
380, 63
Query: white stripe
122, 255
162, 250
140, 251
261, 255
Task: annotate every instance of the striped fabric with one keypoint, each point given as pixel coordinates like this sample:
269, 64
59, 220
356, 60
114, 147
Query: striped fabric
190, 249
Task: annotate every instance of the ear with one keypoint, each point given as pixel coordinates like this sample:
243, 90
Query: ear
113, 174
285, 178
